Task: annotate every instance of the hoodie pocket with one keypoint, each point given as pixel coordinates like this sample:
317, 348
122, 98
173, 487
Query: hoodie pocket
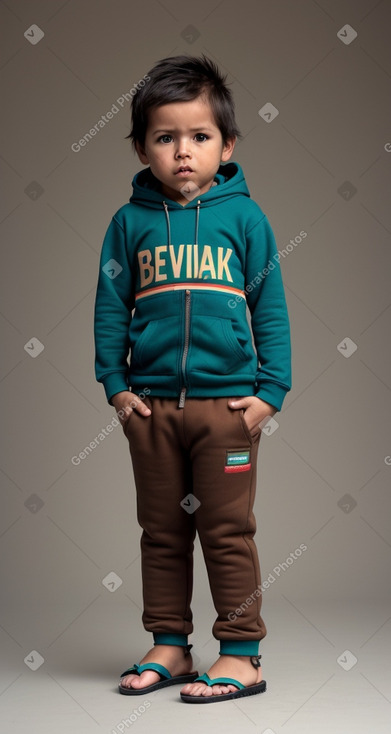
214, 346
156, 349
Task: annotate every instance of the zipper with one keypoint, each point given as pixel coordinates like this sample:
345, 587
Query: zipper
182, 396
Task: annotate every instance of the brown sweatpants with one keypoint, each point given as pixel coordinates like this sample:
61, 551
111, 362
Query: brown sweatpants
195, 469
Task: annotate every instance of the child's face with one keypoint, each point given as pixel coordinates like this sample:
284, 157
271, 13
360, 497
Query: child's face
184, 134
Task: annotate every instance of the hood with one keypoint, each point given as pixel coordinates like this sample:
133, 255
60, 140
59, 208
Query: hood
229, 182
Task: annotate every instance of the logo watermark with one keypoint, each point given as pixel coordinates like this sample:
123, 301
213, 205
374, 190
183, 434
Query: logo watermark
105, 119
262, 274
124, 724
77, 459
272, 577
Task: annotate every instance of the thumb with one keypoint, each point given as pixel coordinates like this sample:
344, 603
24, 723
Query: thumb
237, 403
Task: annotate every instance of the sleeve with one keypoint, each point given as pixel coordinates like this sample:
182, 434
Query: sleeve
269, 314
113, 312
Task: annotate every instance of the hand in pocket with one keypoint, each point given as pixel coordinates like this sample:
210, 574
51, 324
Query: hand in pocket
125, 402
255, 411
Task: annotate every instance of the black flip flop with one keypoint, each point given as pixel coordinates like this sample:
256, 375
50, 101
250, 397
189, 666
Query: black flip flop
240, 693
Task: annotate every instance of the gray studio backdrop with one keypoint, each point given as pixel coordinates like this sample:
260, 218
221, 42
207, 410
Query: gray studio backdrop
312, 84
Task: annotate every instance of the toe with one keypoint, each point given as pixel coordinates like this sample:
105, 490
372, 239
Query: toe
232, 689
195, 689
206, 691
201, 689
147, 678
218, 690
225, 689
189, 688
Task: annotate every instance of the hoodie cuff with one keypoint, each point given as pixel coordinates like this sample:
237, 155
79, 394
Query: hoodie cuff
113, 383
272, 393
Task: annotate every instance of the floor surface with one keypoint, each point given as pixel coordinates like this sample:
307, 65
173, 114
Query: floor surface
327, 667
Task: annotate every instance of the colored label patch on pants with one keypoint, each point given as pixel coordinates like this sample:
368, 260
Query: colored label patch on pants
237, 461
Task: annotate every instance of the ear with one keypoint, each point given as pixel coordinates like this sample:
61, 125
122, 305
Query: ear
228, 149
141, 153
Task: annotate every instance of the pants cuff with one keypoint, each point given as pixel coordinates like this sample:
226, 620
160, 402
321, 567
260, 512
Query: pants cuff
239, 647
167, 638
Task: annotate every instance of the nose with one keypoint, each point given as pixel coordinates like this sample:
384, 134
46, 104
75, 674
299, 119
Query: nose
183, 149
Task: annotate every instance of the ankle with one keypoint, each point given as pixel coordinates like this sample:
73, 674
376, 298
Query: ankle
256, 663
170, 649
184, 648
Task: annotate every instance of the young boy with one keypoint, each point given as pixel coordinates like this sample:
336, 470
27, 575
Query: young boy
180, 263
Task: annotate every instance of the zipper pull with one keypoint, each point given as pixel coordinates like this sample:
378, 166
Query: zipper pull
182, 398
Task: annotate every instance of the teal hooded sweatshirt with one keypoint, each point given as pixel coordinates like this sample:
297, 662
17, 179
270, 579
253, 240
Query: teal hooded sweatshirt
195, 294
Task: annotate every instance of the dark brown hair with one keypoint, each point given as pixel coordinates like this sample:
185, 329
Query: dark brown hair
181, 79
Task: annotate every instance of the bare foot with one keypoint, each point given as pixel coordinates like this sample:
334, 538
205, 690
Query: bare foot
171, 656
227, 666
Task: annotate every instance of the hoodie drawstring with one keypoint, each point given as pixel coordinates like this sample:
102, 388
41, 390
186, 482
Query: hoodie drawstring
197, 220
169, 226
168, 223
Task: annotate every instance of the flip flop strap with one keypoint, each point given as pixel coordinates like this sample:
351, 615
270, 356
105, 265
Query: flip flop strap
218, 681
138, 669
